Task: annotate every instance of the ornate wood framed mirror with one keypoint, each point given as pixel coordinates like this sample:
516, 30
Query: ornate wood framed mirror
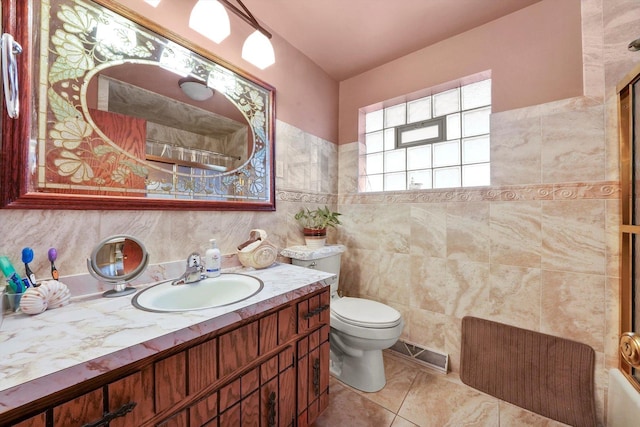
107, 120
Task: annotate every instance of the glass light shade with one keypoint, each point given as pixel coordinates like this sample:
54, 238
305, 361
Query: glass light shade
257, 49
209, 18
196, 90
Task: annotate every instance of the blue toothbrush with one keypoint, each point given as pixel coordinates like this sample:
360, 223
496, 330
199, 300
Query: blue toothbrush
27, 257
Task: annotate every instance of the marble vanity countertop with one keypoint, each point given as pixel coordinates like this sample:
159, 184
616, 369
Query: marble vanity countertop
59, 348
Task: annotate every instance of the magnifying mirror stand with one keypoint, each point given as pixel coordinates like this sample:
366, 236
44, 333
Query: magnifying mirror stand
118, 260
120, 289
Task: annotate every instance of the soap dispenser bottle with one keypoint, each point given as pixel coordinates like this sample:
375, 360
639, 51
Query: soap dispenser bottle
212, 259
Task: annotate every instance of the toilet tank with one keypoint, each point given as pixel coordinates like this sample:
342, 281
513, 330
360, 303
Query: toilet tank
326, 258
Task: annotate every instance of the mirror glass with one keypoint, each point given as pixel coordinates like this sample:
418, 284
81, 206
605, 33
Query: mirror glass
118, 260
115, 116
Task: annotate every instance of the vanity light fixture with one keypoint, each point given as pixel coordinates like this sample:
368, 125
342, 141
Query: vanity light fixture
258, 50
195, 89
210, 19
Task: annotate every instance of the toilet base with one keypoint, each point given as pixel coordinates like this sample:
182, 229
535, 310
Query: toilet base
365, 372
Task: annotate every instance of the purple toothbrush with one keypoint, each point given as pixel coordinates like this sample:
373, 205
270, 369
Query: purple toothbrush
53, 254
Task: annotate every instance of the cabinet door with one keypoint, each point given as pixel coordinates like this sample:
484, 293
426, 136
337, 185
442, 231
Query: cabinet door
203, 368
238, 348
134, 392
323, 400
171, 381
204, 412
277, 391
313, 379
286, 397
82, 410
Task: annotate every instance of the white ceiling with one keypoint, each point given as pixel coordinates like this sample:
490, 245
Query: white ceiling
348, 37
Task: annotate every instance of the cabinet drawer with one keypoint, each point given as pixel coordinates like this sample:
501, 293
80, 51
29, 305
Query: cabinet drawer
79, 411
313, 311
37, 421
136, 388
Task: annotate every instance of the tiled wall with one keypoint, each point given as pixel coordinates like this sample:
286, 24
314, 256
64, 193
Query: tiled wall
537, 250
310, 177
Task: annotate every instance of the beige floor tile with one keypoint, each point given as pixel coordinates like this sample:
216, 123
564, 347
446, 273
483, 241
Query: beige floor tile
400, 374
401, 422
435, 402
511, 415
416, 396
348, 408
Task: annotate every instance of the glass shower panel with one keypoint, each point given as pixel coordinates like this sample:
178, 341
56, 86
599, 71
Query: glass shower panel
635, 141
635, 292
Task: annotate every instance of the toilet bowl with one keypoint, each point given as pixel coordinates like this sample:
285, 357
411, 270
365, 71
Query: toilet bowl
360, 328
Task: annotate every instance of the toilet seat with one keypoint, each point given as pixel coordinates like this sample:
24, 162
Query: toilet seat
365, 313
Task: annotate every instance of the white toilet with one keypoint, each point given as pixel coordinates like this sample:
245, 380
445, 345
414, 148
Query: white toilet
360, 328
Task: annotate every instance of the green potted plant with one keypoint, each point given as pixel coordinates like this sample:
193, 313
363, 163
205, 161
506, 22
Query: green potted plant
314, 224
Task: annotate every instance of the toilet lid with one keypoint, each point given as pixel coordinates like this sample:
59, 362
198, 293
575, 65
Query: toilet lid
364, 312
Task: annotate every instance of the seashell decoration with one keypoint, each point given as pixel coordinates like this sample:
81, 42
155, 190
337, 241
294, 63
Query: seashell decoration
257, 252
50, 294
33, 302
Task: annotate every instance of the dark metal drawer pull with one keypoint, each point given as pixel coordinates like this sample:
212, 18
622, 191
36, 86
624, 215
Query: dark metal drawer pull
110, 416
315, 311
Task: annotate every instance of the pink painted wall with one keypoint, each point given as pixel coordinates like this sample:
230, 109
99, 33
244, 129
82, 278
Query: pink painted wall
535, 56
306, 97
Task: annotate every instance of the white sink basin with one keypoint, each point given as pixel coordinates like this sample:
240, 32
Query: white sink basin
226, 289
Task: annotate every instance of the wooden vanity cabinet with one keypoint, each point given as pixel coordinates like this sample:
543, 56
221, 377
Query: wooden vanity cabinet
270, 371
313, 358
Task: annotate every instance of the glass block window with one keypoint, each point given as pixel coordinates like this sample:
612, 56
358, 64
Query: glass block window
439, 141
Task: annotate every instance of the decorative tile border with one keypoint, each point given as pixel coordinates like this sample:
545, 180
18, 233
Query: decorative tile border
301, 197
609, 190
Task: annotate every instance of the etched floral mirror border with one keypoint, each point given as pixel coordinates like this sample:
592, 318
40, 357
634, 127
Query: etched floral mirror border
80, 39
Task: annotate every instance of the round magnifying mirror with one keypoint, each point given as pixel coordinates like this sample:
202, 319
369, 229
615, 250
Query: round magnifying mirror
118, 260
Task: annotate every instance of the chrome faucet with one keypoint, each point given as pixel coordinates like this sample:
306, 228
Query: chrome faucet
194, 271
